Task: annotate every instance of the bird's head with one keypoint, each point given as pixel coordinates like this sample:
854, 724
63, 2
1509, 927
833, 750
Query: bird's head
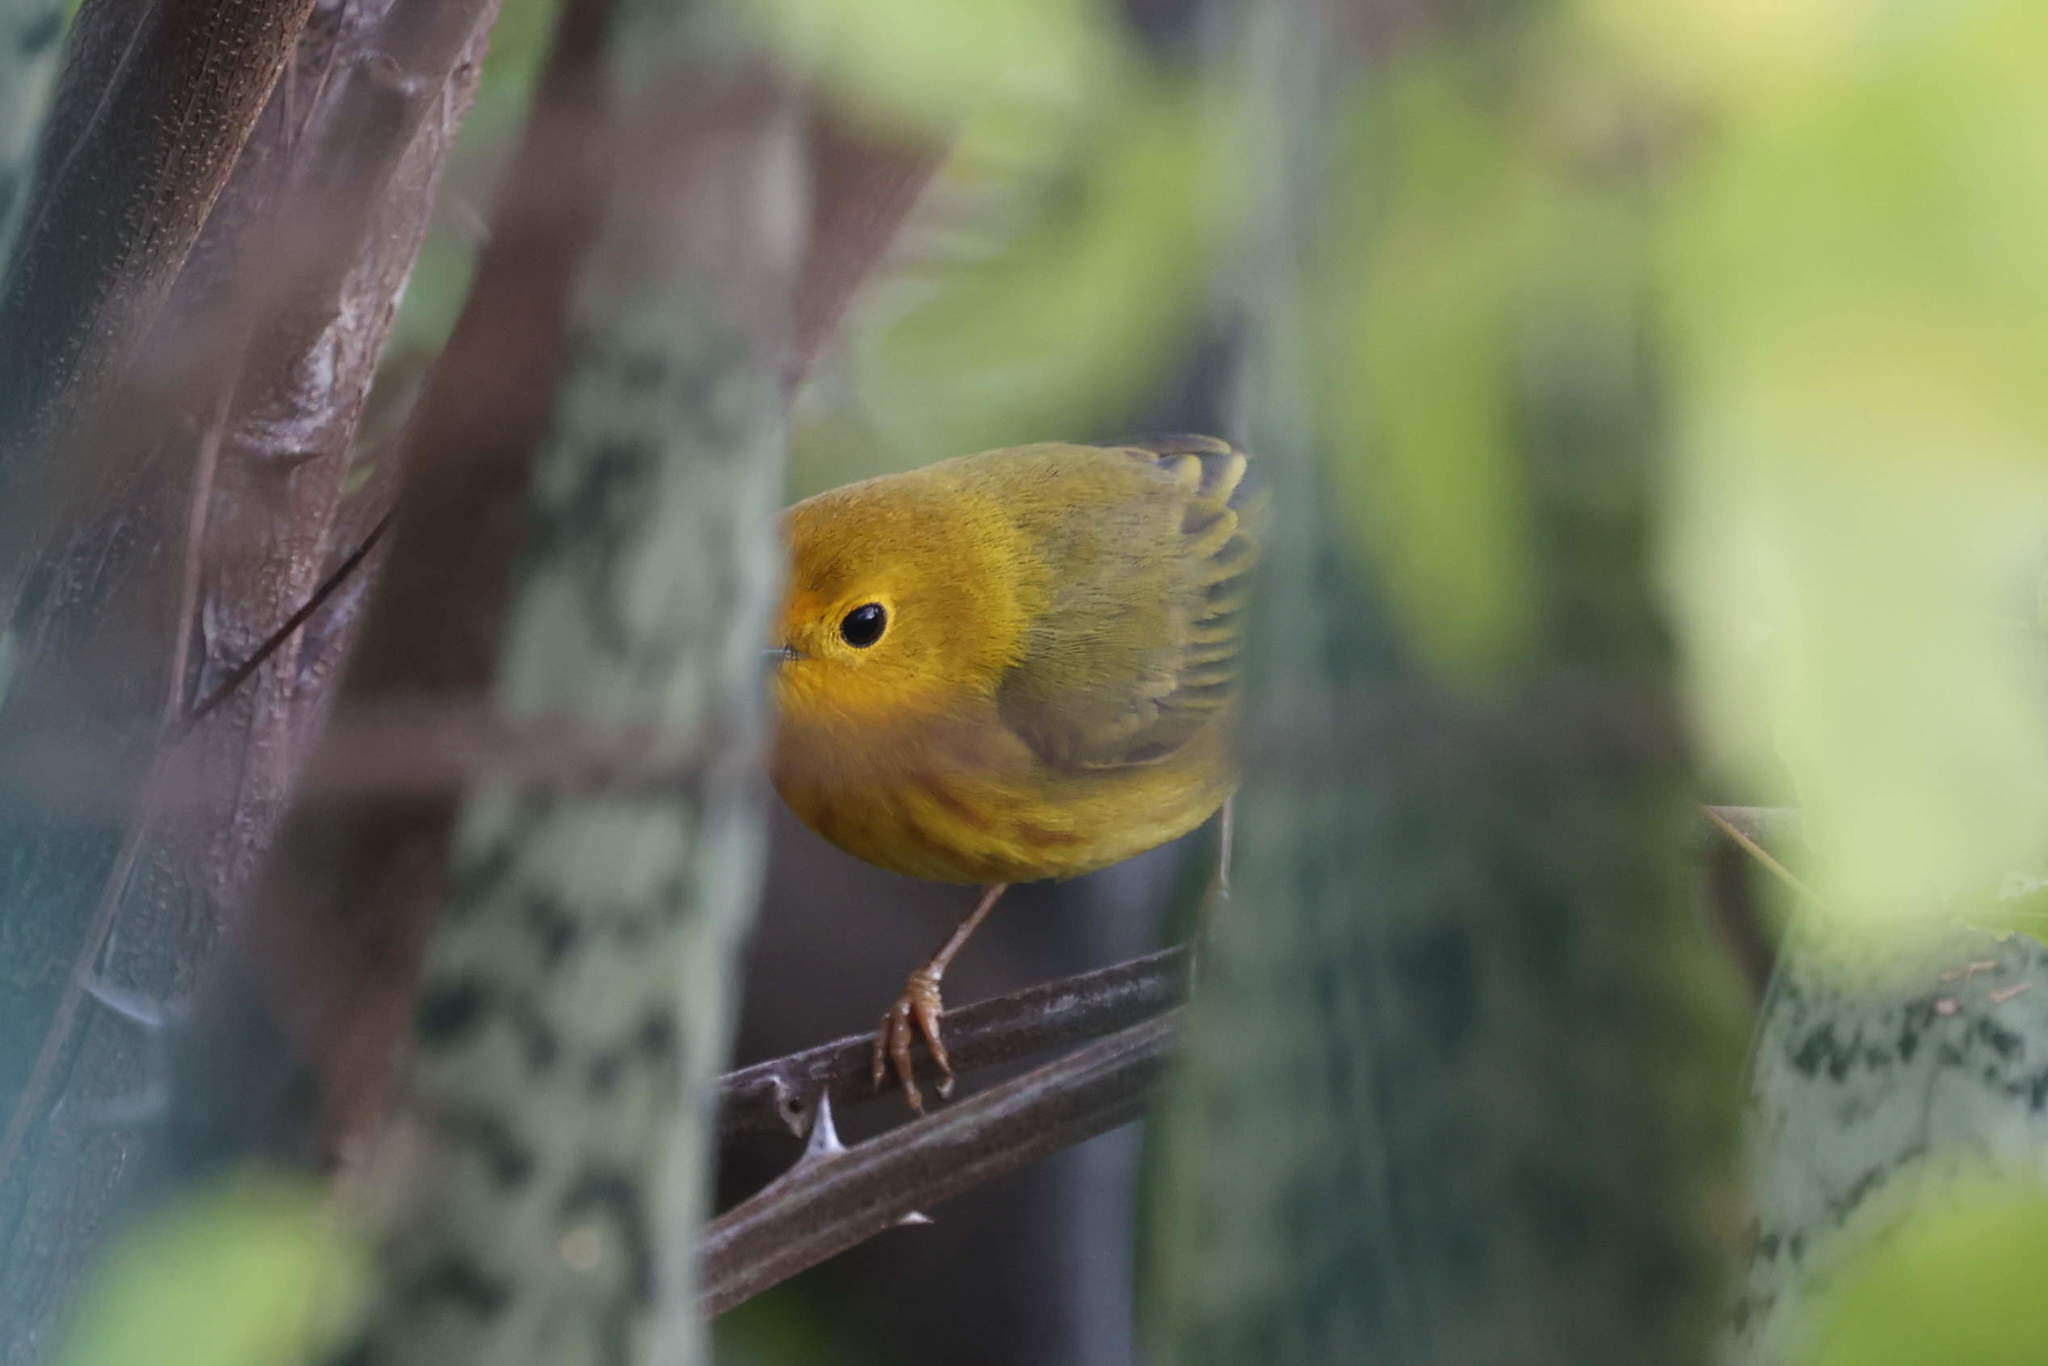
903, 601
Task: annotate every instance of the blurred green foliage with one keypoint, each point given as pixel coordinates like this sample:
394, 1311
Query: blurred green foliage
252, 1270
1432, 228
1062, 323
1055, 270
1957, 1285
1856, 263
1486, 254
1845, 205
922, 67
1059, 264
794, 1323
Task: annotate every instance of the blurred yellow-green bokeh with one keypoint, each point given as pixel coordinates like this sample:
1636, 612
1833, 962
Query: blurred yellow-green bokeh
1856, 261
1958, 1284
251, 1270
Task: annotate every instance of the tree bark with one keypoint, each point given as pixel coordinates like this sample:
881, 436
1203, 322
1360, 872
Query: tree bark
574, 1004
314, 991
230, 447
326, 959
112, 222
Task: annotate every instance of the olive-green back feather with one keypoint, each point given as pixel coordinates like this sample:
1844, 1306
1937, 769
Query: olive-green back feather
1139, 648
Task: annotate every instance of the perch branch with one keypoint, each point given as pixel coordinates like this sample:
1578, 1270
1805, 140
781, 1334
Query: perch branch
777, 1096
835, 1200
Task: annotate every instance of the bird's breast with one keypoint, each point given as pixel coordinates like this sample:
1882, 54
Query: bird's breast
972, 804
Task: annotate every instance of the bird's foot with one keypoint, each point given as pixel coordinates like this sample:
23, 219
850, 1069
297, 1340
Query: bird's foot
916, 1012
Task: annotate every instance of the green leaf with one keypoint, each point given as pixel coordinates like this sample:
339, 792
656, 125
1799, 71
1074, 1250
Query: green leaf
1951, 1286
252, 1271
1057, 328
920, 65
1856, 280
1437, 230
1883, 1098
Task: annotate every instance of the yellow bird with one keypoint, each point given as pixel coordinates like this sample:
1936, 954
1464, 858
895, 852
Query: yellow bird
1016, 665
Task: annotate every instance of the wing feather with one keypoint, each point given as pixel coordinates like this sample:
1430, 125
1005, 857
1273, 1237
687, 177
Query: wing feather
1141, 647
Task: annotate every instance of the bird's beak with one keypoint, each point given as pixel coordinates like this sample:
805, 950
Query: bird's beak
780, 655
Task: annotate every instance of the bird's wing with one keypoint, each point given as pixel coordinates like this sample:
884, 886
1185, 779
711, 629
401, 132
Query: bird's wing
1140, 647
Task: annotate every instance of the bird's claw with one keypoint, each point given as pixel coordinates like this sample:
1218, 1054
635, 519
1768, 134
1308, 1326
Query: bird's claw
916, 1012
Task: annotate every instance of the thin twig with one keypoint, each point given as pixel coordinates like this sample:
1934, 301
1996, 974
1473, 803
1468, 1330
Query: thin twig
1742, 832
241, 673
834, 1201
780, 1095
1724, 819
1773, 827
430, 748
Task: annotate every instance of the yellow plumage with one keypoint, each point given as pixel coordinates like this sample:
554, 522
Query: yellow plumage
1016, 665
1053, 682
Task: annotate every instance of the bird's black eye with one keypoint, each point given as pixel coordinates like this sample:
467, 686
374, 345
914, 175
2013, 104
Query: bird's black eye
863, 626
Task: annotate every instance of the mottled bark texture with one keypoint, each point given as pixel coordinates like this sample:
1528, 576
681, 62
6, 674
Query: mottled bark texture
1443, 1100
576, 991
220, 474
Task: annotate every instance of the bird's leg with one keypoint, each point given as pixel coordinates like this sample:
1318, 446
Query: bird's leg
1216, 898
917, 1010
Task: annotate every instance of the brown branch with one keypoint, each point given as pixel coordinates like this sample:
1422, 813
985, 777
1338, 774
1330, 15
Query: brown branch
392, 750
315, 312
110, 226
338, 927
778, 1096
833, 1201
333, 934
862, 188
255, 370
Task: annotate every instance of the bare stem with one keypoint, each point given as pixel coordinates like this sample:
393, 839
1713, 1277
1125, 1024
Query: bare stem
778, 1096
835, 1200
1773, 827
